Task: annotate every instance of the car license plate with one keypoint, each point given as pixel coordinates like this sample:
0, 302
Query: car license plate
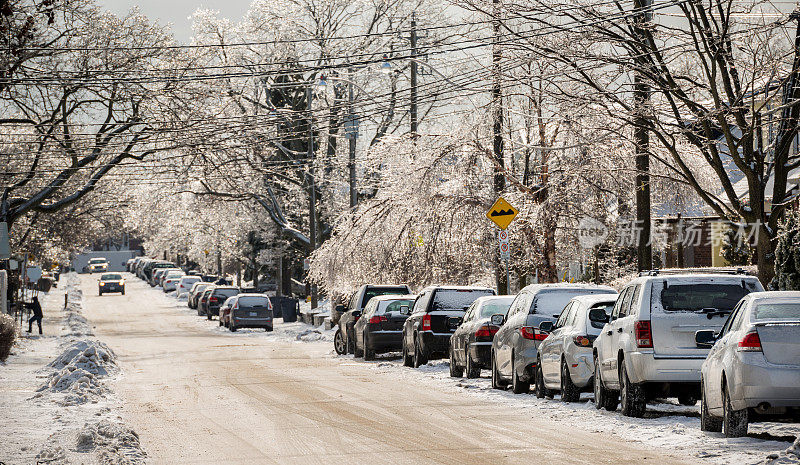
253, 313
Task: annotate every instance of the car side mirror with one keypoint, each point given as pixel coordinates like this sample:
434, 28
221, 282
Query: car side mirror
498, 319
598, 315
546, 326
405, 310
340, 309
705, 338
357, 314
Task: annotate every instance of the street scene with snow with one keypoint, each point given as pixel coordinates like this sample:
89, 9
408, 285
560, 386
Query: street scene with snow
402, 231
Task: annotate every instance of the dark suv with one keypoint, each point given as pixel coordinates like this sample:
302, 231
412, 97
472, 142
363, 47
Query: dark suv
437, 313
217, 298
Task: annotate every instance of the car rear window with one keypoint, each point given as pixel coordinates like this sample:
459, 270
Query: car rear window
495, 306
227, 292
393, 306
371, 292
552, 301
253, 301
110, 277
696, 297
786, 311
457, 299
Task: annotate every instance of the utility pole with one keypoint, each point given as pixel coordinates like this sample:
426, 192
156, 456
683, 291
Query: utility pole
497, 131
312, 197
641, 137
413, 111
352, 133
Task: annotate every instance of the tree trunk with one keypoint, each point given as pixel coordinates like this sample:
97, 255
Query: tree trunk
765, 255
549, 274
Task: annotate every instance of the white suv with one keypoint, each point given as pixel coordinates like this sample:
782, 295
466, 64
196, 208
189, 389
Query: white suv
648, 350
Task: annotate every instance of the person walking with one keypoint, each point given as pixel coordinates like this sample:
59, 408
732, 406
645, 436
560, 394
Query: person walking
37, 314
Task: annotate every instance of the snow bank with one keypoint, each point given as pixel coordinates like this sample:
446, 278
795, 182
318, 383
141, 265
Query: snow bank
79, 370
788, 457
112, 442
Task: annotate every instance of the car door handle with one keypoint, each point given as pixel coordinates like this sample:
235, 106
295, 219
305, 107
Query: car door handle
619, 330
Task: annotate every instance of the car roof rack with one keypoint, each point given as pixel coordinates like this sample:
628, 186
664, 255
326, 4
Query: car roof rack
673, 271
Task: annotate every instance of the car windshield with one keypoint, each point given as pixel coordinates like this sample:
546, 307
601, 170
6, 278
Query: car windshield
226, 292
551, 301
174, 274
457, 299
785, 311
111, 277
96, 261
696, 297
594, 327
253, 301
393, 306
495, 306
371, 292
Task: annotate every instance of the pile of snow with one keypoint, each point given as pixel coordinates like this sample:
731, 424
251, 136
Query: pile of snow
790, 456
78, 372
310, 335
112, 443
75, 322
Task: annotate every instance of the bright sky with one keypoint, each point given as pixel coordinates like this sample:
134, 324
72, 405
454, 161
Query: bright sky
177, 12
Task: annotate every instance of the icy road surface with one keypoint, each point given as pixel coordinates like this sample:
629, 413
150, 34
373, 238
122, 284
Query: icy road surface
198, 394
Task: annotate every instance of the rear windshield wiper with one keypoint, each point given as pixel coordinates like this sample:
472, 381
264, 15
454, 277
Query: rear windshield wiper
712, 312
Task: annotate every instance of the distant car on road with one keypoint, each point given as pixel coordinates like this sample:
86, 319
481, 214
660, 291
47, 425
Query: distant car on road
194, 294
380, 329
185, 284
753, 369
111, 282
471, 343
97, 265
566, 362
248, 311
170, 280
436, 314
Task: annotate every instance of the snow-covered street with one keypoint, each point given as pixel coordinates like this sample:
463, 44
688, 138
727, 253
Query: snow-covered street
285, 397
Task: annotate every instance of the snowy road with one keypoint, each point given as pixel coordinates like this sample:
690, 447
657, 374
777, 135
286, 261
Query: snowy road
196, 394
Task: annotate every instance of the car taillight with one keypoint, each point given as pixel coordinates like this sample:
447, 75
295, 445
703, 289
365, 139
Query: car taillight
486, 332
582, 341
377, 319
644, 336
750, 343
213, 299
529, 332
426, 322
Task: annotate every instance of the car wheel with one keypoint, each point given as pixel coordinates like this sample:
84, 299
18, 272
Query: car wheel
455, 370
473, 370
497, 382
569, 392
419, 356
338, 343
268, 329
356, 351
734, 422
123, 292
99, 293
707, 422
351, 348
407, 360
232, 328
687, 399
603, 398
209, 316
517, 385
369, 354
632, 396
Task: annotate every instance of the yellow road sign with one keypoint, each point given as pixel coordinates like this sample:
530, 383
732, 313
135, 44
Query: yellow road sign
502, 213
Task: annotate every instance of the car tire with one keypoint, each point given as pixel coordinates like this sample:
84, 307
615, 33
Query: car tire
455, 370
707, 422
99, 293
540, 389
687, 399
351, 343
632, 396
268, 329
369, 354
123, 292
517, 385
472, 369
569, 392
603, 398
338, 343
734, 422
232, 328
356, 351
209, 316
497, 383
407, 360
419, 357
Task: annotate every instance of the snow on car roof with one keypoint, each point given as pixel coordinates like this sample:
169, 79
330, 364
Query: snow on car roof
592, 299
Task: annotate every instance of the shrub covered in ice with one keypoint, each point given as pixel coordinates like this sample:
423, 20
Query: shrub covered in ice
8, 333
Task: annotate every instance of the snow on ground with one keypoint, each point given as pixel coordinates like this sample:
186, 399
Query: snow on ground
57, 406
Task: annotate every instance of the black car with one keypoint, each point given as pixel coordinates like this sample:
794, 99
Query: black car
380, 329
436, 315
471, 344
111, 282
216, 298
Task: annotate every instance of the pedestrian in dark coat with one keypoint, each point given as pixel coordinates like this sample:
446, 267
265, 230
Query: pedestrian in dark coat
37, 314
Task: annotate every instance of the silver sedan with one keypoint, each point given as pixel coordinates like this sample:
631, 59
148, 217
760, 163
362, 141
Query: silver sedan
753, 368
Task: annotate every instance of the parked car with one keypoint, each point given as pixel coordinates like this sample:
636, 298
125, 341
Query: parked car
515, 347
224, 311
248, 311
111, 282
185, 284
147, 270
97, 265
170, 280
162, 276
203, 299
366, 292
471, 343
344, 340
753, 368
380, 329
436, 314
195, 293
648, 348
566, 356
216, 297
155, 277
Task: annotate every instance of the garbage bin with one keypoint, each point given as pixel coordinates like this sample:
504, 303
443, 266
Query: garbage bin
284, 307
